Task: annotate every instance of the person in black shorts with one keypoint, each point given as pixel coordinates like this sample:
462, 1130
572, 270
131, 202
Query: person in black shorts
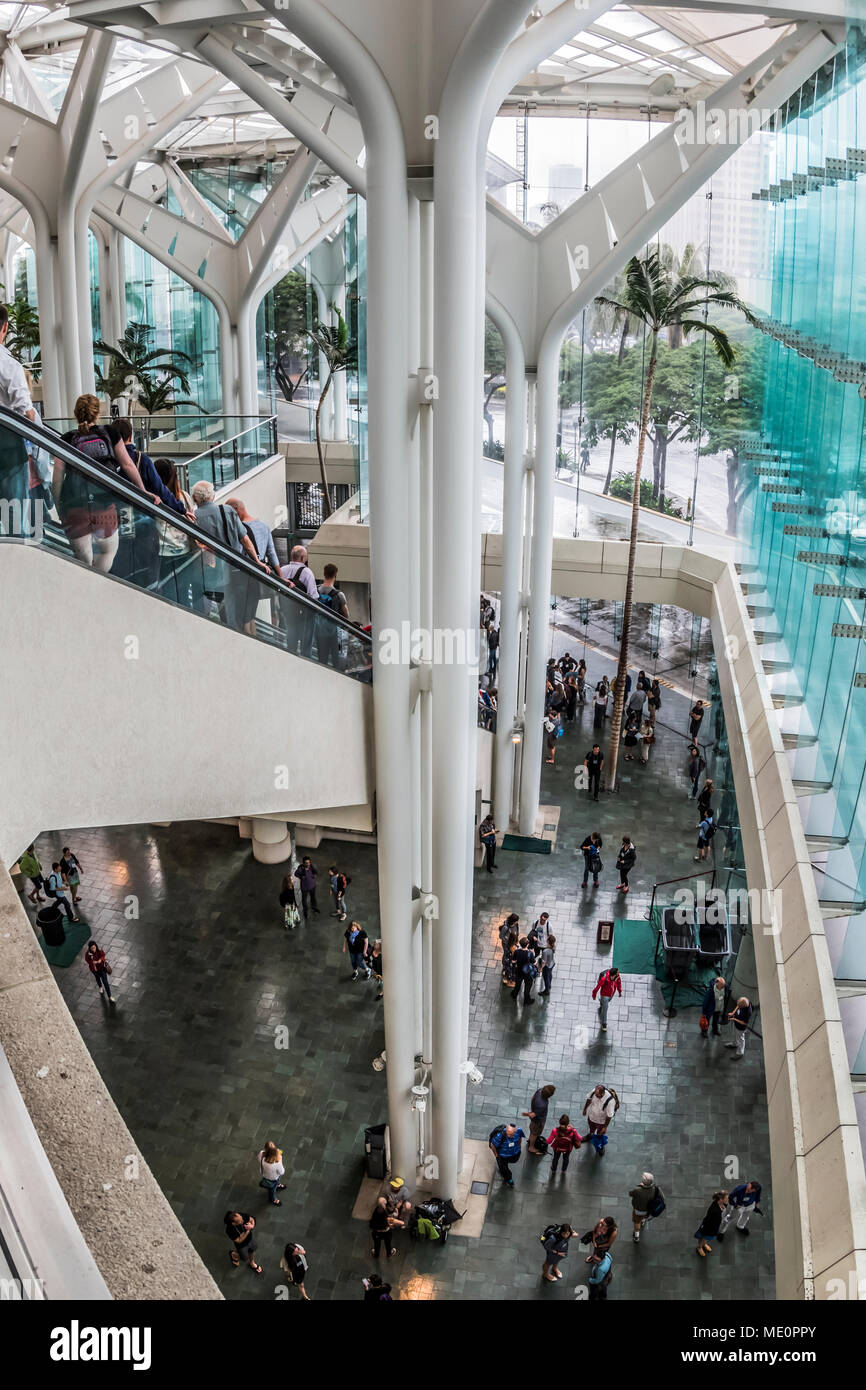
241, 1231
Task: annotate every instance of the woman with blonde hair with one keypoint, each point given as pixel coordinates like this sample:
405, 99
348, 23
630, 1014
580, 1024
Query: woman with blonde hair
271, 1165
88, 513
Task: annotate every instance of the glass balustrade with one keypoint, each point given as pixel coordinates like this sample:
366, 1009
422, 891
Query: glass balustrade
54, 497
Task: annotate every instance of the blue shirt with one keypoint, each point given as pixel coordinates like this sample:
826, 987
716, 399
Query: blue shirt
598, 1272
152, 481
741, 1198
509, 1148
263, 542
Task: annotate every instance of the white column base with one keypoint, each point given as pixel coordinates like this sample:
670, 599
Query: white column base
271, 841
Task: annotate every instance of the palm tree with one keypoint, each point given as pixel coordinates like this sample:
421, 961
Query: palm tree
22, 339
657, 297
611, 317
340, 352
146, 373
693, 261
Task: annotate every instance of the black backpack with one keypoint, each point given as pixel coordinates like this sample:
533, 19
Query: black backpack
547, 1233
497, 1133
329, 600
95, 444
657, 1204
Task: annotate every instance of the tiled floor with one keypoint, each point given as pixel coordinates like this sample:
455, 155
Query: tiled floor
210, 986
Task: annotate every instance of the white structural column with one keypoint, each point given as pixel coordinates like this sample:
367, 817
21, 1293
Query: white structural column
425, 553
388, 359
455, 598
76, 122
271, 840
541, 557
512, 560
47, 281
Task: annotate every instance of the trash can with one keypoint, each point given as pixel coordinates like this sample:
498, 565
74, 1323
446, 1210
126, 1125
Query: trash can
49, 920
374, 1150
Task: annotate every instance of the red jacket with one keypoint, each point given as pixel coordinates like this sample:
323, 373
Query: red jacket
608, 986
563, 1141
95, 961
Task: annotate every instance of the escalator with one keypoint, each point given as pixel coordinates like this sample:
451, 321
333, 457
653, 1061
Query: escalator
151, 673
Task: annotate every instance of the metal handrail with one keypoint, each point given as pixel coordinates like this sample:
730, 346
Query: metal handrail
36, 433
265, 420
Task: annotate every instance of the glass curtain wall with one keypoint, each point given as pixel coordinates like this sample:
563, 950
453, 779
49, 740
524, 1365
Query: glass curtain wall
182, 319
699, 409
804, 475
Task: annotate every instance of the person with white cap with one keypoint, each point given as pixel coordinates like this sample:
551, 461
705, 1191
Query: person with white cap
644, 1197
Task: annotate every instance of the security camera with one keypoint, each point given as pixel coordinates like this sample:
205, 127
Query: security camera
472, 1073
379, 1062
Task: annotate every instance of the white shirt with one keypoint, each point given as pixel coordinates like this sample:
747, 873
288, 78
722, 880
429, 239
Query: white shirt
271, 1170
14, 391
543, 932
306, 582
601, 1108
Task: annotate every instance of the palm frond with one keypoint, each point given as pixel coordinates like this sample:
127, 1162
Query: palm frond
721, 342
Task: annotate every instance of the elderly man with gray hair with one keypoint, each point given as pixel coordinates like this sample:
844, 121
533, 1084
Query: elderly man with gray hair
647, 1199
234, 591
300, 621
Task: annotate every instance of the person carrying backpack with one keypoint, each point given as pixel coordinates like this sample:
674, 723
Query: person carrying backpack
561, 1141
555, 1241
333, 601
706, 831
505, 1145
599, 1108
647, 1199
607, 985
55, 887
339, 885
88, 512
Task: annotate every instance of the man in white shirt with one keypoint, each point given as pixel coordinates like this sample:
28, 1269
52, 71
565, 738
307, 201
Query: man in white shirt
599, 1110
299, 620
14, 469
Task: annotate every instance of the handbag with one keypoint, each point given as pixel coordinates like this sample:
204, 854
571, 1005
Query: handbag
107, 969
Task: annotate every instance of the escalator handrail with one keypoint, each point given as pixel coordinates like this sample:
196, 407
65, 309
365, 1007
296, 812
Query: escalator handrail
37, 433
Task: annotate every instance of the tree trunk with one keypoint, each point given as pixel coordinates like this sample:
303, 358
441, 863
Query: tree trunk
606, 489
657, 448
326, 496
733, 468
622, 665
622, 337
663, 470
